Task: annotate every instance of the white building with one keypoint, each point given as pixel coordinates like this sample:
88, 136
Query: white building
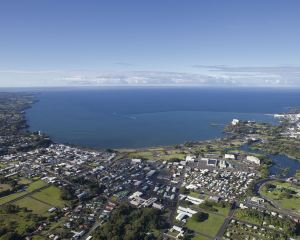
136, 160
235, 122
190, 158
229, 156
222, 164
253, 159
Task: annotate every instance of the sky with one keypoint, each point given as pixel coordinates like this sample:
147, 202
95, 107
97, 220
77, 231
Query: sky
154, 42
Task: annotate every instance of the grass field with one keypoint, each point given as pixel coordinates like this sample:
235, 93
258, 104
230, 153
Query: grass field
209, 227
157, 154
50, 195
4, 187
35, 206
38, 238
24, 180
2, 165
35, 185
199, 237
292, 203
31, 187
220, 210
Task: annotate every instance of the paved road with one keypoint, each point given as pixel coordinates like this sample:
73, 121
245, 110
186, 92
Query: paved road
276, 207
92, 229
225, 224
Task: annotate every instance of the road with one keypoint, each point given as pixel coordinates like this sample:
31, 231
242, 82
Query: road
225, 223
276, 207
92, 229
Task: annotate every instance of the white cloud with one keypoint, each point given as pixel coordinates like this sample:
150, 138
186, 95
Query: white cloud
213, 76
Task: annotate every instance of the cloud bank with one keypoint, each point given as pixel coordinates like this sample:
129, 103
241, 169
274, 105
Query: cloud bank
217, 76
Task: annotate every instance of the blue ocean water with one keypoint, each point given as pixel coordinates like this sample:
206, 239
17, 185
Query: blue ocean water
139, 117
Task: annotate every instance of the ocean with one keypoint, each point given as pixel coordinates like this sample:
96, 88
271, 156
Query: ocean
142, 117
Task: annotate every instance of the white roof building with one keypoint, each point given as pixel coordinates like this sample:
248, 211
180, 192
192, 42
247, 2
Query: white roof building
253, 159
190, 158
235, 122
229, 156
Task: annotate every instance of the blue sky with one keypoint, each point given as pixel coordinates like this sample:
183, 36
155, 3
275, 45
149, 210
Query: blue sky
48, 41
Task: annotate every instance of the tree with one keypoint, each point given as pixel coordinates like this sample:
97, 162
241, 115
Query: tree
200, 216
11, 236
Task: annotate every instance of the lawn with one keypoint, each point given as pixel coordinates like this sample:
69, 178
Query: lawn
12, 197
210, 226
4, 187
24, 181
292, 203
38, 238
35, 206
222, 211
31, 187
2, 165
194, 194
157, 154
36, 185
199, 237
50, 195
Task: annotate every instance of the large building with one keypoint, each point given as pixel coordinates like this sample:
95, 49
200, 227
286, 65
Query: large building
253, 159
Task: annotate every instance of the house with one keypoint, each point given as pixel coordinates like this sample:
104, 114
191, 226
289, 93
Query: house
229, 156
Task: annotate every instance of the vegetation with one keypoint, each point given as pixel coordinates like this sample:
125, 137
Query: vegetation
15, 222
51, 196
11, 194
128, 223
286, 195
200, 216
210, 226
289, 227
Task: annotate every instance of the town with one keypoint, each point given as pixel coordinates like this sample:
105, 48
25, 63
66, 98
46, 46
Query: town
216, 189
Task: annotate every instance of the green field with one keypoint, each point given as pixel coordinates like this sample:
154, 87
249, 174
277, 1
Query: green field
35, 206
4, 187
158, 154
292, 202
199, 237
2, 165
38, 238
24, 180
35, 185
50, 195
216, 208
31, 187
222, 211
209, 227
